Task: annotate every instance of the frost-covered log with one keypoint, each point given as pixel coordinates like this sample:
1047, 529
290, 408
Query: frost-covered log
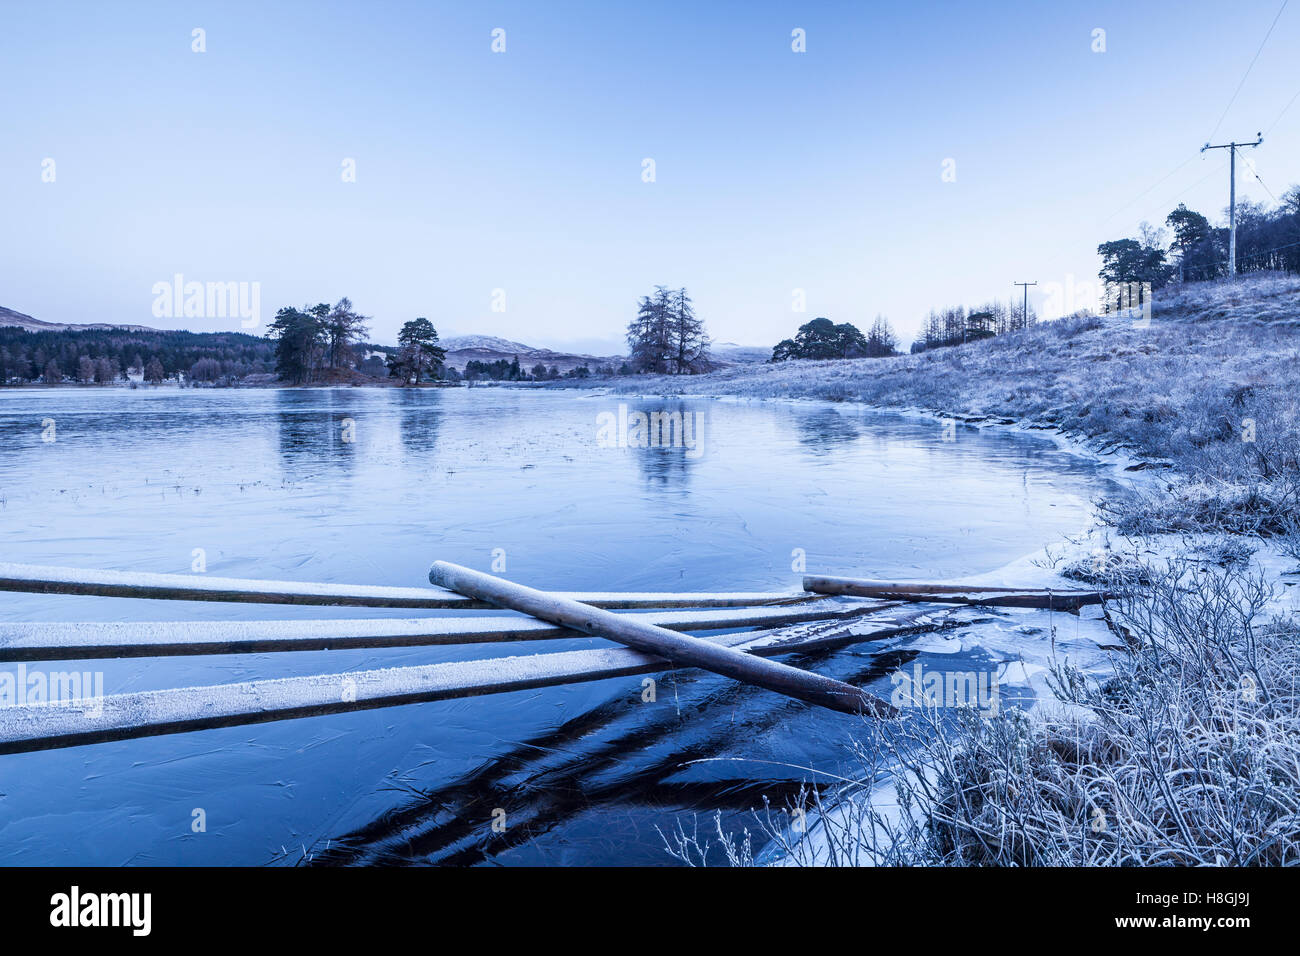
30, 727
81, 641
1047, 598
192, 587
677, 648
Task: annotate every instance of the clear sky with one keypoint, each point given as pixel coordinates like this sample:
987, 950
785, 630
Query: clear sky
523, 170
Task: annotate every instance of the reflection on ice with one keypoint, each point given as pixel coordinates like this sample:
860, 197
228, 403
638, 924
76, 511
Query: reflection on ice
369, 486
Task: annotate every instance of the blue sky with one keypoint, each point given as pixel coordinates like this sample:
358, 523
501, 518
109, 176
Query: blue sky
522, 171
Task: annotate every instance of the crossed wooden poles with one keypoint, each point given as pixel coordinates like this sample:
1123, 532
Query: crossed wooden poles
649, 642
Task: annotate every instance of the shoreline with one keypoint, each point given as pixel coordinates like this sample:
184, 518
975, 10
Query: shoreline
1176, 419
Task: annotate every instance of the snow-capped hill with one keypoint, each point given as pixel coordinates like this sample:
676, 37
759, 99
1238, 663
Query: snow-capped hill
739, 354
8, 317
462, 349
486, 343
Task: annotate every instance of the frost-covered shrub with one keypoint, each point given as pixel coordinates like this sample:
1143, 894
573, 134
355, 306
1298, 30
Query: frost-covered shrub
1261, 508
1107, 571
1254, 297
1226, 550
1076, 324
1188, 755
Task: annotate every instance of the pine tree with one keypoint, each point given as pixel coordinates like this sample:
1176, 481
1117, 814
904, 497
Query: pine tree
690, 344
300, 342
667, 337
881, 339
344, 327
418, 351
649, 334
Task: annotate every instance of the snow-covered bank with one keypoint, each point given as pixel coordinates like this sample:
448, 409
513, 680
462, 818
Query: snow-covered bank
1106, 819
1168, 733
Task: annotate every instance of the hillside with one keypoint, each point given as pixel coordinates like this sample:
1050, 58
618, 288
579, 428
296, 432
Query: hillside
462, 349
729, 353
11, 319
1090, 376
491, 343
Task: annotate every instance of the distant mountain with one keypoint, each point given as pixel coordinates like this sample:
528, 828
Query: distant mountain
739, 354
463, 349
11, 318
491, 343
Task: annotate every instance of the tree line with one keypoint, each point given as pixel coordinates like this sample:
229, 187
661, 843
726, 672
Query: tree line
306, 345
103, 356
1189, 249
823, 339
958, 325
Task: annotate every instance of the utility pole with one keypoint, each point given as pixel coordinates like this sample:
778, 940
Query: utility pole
1026, 285
1232, 195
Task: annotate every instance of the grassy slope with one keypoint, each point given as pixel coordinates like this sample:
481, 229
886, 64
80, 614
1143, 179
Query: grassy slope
1097, 378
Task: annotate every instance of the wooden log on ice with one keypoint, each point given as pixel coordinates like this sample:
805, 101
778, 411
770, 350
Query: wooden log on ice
675, 648
78, 641
41, 579
1065, 600
44, 726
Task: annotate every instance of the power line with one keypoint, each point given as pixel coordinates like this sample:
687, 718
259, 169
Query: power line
1147, 190
1227, 109
1265, 252
1248, 69
1166, 204
1254, 172
1279, 116
1232, 192
1177, 168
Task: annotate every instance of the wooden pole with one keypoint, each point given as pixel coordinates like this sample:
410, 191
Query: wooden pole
45, 726
40, 579
78, 641
676, 648
957, 593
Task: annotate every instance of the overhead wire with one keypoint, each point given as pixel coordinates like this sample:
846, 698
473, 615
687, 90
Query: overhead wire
1227, 108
